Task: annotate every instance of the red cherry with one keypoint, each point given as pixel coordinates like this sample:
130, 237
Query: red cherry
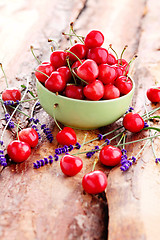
46, 68
124, 84
133, 122
58, 58
65, 72
121, 62
73, 91
111, 59
79, 50
18, 151
71, 165
98, 54
124, 65
94, 39
94, 91
66, 136
153, 94
107, 73
29, 135
12, 94
111, 92
94, 182
110, 155
56, 82
88, 70
76, 64
119, 69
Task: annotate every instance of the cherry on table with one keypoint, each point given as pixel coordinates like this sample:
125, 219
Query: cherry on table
110, 155
71, 165
18, 151
94, 182
74, 91
94, 39
12, 94
56, 82
153, 94
66, 136
94, 91
133, 122
45, 68
88, 70
98, 54
111, 92
29, 135
124, 84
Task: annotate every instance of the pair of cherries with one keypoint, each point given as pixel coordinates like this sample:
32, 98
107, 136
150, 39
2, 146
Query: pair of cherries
20, 150
98, 74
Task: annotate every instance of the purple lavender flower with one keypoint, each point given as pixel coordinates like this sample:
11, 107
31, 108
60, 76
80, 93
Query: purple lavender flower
146, 125
100, 136
3, 161
78, 146
42, 162
91, 153
107, 141
11, 123
125, 162
157, 160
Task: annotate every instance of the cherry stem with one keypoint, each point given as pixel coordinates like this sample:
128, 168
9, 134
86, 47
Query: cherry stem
67, 59
125, 47
129, 64
68, 34
54, 107
79, 77
39, 62
85, 136
51, 40
74, 55
4, 75
14, 110
32, 111
70, 37
42, 73
71, 27
110, 46
94, 164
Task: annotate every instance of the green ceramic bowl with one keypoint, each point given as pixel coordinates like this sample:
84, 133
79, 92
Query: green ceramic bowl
83, 114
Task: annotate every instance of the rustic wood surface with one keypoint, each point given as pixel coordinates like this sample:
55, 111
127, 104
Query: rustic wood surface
43, 204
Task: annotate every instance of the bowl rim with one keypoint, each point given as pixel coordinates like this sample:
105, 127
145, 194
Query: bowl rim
88, 101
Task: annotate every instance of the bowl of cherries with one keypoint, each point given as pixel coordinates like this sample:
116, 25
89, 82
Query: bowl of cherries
85, 86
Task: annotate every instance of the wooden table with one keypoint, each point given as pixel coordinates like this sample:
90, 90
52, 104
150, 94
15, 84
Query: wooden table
43, 204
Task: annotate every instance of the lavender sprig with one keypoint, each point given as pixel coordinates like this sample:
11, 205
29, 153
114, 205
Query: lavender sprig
45, 161
3, 161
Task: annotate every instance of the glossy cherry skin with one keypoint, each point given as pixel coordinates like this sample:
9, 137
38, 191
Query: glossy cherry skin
98, 54
66, 136
74, 91
110, 155
76, 64
12, 94
18, 151
94, 91
79, 50
71, 165
107, 73
153, 94
119, 69
29, 135
58, 58
111, 92
124, 84
122, 62
56, 82
133, 122
47, 69
94, 182
65, 72
88, 70
111, 59
94, 39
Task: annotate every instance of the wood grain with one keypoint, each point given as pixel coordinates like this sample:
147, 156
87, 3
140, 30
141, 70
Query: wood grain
44, 204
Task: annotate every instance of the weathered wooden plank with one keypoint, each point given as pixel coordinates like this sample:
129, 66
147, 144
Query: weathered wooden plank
43, 203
